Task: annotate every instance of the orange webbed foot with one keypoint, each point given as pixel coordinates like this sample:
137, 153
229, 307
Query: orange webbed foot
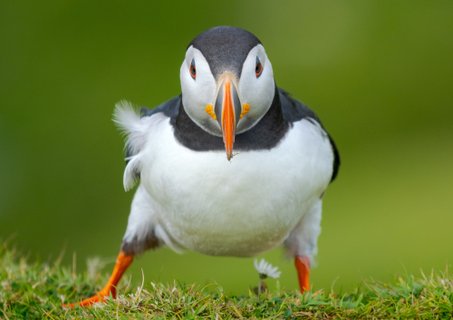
303, 272
101, 296
122, 263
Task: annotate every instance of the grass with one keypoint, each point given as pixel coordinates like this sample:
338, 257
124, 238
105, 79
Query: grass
36, 290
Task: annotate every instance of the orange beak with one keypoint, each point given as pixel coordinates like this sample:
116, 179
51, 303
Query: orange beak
228, 109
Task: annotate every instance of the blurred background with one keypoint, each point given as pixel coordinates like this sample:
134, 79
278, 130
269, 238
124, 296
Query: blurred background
378, 73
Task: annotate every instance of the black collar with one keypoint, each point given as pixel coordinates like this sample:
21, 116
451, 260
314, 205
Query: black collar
266, 134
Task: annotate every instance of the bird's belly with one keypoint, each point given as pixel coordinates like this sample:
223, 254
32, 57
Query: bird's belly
239, 207
221, 214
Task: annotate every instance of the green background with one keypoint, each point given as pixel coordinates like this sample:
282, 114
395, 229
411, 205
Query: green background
378, 73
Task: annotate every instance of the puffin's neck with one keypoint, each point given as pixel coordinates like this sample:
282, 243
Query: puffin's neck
266, 134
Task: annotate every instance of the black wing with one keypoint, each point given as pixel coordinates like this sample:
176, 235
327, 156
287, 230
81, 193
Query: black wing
294, 110
170, 108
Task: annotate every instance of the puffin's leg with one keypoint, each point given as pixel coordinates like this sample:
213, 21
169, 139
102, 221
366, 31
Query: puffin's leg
302, 244
140, 235
303, 272
123, 261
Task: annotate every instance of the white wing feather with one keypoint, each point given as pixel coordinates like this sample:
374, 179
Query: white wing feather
135, 130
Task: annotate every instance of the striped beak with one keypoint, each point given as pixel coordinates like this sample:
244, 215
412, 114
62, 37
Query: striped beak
228, 109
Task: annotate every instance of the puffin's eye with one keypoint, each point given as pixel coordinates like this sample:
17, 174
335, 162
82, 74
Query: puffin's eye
258, 67
193, 70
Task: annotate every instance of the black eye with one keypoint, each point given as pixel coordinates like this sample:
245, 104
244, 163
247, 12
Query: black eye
193, 70
258, 67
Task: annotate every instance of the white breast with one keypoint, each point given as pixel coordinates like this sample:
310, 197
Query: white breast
242, 207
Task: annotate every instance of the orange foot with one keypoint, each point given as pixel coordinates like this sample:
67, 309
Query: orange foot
98, 297
122, 263
303, 272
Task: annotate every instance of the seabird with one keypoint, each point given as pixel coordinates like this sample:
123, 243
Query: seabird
233, 166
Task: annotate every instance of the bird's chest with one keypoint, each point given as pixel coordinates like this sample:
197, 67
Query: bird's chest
239, 207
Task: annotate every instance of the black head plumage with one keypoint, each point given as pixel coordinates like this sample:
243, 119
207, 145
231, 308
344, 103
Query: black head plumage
225, 48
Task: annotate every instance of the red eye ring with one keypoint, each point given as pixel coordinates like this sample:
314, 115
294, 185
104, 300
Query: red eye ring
193, 70
258, 68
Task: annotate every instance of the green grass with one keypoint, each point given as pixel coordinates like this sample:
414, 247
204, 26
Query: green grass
36, 290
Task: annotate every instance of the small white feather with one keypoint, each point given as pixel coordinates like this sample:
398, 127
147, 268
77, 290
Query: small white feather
130, 173
130, 123
136, 129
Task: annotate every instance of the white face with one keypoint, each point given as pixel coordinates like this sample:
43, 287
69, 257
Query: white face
257, 91
199, 92
200, 88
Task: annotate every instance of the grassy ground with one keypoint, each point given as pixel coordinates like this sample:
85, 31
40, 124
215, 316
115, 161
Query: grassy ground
36, 290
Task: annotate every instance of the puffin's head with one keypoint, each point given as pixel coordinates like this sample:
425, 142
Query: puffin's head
227, 82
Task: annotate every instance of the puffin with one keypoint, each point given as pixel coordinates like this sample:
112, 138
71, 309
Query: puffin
233, 166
